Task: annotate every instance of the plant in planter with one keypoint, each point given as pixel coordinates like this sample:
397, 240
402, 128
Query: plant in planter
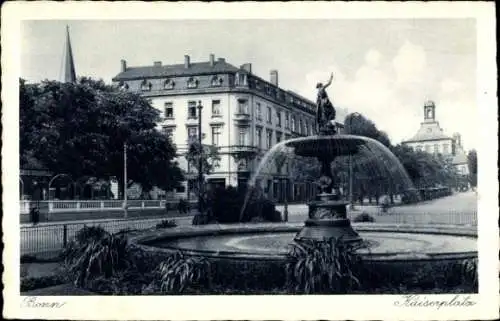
179, 272
329, 266
364, 217
166, 224
98, 257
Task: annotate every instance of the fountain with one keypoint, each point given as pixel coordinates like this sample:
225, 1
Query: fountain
398, 251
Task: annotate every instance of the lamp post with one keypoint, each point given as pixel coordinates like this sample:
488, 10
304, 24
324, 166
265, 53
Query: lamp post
125, 179
200, 161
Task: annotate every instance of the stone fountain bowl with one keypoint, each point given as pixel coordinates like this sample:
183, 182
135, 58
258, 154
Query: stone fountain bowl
253, 256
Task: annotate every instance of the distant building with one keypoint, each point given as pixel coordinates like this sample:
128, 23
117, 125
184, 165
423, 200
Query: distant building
243, 115
431, 139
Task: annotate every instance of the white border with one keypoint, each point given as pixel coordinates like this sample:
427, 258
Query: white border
253, 307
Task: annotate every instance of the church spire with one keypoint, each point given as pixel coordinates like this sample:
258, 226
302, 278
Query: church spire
69, 74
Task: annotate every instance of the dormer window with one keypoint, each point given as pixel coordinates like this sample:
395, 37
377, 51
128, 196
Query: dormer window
241, 79
216, 81
168, 84
192, 82
146, 85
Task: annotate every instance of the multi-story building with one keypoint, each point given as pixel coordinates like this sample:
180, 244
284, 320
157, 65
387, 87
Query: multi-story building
243, 115
431, 139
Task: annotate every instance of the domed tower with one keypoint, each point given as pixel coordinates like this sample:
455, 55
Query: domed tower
429, 111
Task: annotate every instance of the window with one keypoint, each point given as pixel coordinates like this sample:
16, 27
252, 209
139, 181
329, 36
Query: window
192, 110
269, 116
258, 132
300, 129
216, 133
216, 81
446, 149
169, 110
278, 137
258, 111
294, 123
241, 79
436, 148
306, 129
215, 108
287, 120
269, 138
169, 84
243, 106
192, 82
428, 148
192, 132
278, 118
242, 136
288, 136
168, 131
146, 85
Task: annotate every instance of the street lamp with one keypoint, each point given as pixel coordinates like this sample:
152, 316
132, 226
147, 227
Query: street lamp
200, 161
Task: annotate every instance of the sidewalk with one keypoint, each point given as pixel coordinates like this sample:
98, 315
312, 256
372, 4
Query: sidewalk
105, 220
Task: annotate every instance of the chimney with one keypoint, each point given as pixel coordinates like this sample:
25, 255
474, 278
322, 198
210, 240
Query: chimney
157, 64
458, 139
124, 65
212, 60
247, 67
187, 64
274, 77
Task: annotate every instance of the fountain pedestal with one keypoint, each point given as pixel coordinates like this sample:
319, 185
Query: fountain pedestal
328, 219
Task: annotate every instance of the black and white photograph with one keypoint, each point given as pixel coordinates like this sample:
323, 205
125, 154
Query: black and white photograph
314, 163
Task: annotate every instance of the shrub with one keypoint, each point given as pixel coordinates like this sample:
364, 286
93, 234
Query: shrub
328, 266
102, 257
200, 219
166, 224
364, 217
179, 272
226, 206
29, 284
90, 233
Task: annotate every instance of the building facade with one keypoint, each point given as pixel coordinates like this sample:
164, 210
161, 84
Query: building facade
431, 139
243, 115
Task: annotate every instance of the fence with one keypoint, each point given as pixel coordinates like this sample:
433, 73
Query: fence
50, 238
100, 205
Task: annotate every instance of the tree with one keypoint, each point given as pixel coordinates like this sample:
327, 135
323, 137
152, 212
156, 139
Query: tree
80, 129
472, 164
208, 153
357, 124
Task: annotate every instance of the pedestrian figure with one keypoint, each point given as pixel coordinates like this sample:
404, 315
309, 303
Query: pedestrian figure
35, 215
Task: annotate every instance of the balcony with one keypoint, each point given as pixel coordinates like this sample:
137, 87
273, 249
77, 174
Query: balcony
242, 117
242, 149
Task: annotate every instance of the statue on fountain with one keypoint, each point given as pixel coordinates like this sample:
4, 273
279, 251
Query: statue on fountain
325, 112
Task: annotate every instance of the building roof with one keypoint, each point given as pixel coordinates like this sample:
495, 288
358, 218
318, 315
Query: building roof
460, 156
428, 131
196, 68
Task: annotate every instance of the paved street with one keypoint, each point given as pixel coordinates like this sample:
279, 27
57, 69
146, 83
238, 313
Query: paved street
459, 208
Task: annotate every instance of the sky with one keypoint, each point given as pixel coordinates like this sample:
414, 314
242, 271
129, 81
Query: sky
384, 69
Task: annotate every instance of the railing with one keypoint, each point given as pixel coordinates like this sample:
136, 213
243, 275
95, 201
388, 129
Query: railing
48, 239
98, 205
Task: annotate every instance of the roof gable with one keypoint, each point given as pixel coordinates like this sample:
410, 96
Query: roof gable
429, 131
175, 70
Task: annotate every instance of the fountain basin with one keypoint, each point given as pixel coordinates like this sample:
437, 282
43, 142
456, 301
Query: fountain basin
250, 254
